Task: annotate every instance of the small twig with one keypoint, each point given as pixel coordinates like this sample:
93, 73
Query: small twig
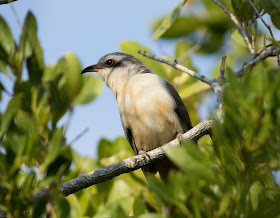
193, 49
178, 67
269, 53
79, 136
251, 21
262, 49
238, 25
223, 66
221, 81
253, 40
258, 14
278, 58
2, 2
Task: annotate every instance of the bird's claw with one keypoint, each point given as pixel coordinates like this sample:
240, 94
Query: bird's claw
180, 138
144, 154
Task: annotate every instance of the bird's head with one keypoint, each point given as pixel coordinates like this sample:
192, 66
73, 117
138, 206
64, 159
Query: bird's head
116, 68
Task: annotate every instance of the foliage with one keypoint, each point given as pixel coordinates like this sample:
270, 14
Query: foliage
231, 174
34, 153
234, 176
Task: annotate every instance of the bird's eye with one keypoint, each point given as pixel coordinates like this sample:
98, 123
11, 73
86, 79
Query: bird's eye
109, 63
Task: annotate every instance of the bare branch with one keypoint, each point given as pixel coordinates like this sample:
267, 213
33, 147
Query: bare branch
262, 49
180, 67
238, 25
130, 164
259, 16
278, 58
269, 53
219, 88
2, 2
223, 65
79, 136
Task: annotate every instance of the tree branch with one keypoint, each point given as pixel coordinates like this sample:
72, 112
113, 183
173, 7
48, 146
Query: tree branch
130, 164
2, 2
177, 66
268, 53
221, 81
259, 16
238, 25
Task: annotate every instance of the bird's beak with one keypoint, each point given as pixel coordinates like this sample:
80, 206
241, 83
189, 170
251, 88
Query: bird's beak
92, 68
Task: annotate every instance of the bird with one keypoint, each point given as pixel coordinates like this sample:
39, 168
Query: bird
151, 111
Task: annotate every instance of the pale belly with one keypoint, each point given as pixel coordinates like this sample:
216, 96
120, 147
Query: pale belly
148, 110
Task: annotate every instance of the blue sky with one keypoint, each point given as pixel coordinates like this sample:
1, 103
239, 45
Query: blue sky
90, 29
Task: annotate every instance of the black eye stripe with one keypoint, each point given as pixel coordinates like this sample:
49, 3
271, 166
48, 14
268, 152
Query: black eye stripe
109, 63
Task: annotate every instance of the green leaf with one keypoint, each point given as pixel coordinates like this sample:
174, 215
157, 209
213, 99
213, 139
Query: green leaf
117, 212
3, 67
267, 5
276, 3
91, 89
193, 89
254, 194
268, 206
182, 26
236, 37
64, 208
24, 87
12, 108
120, 145
190, 159
236, 5
7, 44
275, 18
35, 64
138, 207
224, 203
131, 47
246, 11
72, 80
180, 50
104, 148
28, 36
275, 43
152, 215
54, 146
168, 21
161, 191
243, 9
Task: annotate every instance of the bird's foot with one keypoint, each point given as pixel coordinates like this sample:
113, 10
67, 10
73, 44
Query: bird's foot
180, 138
144, 154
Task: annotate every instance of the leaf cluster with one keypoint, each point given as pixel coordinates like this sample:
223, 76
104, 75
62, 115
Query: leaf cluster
233, 175
33, 150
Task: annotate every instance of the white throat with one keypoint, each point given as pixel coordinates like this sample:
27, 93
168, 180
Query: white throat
117, 78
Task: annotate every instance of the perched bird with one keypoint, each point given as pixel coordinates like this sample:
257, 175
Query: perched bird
152, 113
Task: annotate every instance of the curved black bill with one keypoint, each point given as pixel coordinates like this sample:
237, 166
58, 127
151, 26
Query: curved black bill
92, 68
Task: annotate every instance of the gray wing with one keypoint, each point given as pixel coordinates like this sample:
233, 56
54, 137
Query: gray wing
180, 108
129, 137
